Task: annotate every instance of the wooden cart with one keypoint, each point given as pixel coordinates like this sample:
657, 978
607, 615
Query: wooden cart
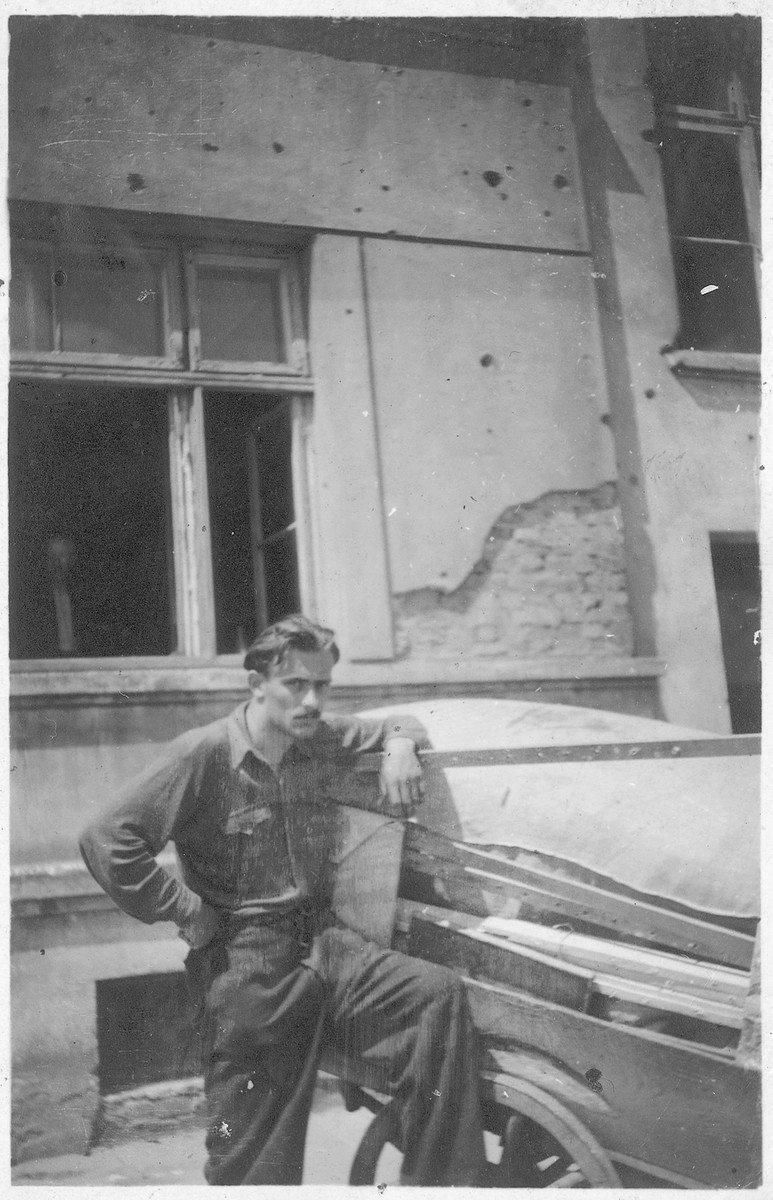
620, 1032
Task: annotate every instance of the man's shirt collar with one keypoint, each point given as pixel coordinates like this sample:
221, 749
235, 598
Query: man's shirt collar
241, 744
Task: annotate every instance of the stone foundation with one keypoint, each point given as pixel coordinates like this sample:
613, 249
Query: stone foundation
550, 581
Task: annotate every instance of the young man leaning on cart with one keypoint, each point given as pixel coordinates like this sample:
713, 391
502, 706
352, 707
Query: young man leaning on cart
249, 802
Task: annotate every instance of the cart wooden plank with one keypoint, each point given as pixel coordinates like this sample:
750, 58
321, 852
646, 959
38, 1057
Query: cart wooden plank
434, 856
596, 954
687, 1109
667, 1000
527, 970
708, 747
657, 967
481, 955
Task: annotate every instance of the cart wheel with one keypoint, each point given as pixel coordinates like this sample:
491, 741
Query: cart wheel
380, 1131
544, 1144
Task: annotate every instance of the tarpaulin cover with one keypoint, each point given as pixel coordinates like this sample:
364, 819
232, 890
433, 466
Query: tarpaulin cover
685, 830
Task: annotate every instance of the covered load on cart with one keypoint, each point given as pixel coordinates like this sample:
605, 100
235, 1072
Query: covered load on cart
595, 878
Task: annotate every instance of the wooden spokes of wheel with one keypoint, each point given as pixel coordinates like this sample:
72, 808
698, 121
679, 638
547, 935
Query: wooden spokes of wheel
543, 1143
381, 1130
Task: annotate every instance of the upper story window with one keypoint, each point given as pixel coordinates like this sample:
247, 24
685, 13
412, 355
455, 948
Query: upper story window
157, 304
711, 176
705, 79
158, 426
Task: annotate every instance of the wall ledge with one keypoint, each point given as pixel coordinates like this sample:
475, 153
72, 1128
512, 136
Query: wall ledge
132, 682
725, 364
499, 670
66, 880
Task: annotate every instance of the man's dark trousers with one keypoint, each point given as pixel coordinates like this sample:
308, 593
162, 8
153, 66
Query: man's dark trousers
270, 1005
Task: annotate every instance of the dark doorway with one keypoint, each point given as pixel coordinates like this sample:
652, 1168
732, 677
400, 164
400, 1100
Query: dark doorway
736, 562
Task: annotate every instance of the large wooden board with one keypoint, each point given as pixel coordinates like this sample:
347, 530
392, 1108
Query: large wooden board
353, 581
367, 873
476, 350
114, 112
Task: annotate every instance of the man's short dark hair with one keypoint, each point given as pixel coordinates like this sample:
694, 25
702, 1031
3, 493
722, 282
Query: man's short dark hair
295, 632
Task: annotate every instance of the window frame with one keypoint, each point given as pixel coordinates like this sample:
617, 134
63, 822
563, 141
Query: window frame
171, 315
735, 122
185, 386
296, 360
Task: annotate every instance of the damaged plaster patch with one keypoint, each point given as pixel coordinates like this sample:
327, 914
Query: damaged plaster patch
550, 580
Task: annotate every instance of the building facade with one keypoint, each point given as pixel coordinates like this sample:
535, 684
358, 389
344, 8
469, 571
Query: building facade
443, 331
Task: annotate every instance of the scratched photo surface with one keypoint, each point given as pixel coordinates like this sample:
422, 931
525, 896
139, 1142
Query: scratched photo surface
444, 330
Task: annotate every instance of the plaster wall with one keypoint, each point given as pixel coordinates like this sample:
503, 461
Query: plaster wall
68, 761
55, 1095
704, 482
490, 392
687, 456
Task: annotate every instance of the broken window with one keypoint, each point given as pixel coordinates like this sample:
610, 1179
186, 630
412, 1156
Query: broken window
157, 496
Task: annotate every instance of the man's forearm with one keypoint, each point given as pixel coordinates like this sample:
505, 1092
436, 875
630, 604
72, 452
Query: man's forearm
368, 735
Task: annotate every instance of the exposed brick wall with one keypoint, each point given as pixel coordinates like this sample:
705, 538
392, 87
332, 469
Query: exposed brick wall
550, 581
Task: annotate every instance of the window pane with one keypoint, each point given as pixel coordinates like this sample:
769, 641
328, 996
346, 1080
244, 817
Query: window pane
271, 445
703, 185
281, 565
110, 303
251, 514
240, 314
88, 534
727, 317
272, 431
31, 322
